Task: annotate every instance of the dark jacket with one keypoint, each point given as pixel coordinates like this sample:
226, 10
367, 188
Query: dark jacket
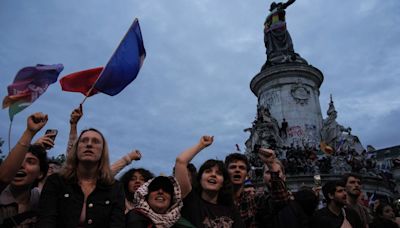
61, 204
382, 223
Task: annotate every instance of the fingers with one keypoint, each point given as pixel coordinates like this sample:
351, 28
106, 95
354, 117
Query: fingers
135, 155
76, 115
45, 141
266, 152
206, 140
36, 121
266, 155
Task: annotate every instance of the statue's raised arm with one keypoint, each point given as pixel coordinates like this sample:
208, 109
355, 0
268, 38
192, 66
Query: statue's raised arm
288, 3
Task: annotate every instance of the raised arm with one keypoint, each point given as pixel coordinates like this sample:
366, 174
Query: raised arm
121, 163
73, 131
267, 156
181, 171
279, 193
288, 3
13, 162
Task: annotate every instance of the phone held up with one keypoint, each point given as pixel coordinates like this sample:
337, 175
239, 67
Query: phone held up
53, 133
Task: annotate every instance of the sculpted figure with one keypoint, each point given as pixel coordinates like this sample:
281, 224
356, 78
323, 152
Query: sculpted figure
277, 39
332, 131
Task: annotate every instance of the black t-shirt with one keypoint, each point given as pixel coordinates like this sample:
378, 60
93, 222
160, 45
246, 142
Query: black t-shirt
325, 218
203, 214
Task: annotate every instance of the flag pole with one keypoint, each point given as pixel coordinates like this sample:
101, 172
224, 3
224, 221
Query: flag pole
90, 90
9, 137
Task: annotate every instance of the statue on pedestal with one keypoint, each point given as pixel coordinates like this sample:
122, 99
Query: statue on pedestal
332, 134
277, 39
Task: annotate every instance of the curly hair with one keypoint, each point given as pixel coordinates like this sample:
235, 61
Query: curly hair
225, 194
147, 175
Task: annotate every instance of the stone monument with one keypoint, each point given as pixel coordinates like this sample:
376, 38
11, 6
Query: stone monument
287, 87
289, 118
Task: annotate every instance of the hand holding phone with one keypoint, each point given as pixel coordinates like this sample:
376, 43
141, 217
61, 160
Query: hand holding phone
51, 133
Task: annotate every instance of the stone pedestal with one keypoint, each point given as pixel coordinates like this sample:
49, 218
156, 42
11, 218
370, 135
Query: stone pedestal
291, 91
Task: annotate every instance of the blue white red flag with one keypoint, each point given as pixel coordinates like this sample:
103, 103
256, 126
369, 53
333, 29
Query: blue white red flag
124, 64
81, 81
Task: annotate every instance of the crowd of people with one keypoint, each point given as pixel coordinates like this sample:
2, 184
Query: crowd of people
83, 191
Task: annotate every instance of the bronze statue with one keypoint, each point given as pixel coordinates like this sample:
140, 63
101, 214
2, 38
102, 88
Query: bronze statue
277, 39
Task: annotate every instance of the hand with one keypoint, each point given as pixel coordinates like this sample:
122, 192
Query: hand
76, 115
36, 121
266, 155
206, 140
317, 190
135, 155
45, 141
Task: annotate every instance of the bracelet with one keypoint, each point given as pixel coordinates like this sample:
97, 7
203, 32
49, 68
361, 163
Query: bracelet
23, 145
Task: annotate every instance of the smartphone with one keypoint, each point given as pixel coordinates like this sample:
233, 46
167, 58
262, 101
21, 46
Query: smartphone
53, 133
317, 180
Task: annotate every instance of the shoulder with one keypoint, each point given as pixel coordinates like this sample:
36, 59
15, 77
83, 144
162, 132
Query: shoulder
137, 219
56, 178
55, 181
322, 212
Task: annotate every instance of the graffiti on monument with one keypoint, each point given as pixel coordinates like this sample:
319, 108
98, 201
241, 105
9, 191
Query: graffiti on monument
311, 134
270, 98
295, 131
306, 135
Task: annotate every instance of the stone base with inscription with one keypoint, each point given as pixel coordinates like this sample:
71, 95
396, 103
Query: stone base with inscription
291, 91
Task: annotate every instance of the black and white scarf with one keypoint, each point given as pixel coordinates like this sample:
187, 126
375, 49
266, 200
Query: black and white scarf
160, 220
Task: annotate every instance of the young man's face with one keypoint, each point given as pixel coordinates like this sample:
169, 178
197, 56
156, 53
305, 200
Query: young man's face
353, 186
237, 172
28, 173
339, 197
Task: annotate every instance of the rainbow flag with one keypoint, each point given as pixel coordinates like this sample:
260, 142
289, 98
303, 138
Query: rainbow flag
29, 83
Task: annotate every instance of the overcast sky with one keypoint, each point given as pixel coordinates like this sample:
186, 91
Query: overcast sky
201, 57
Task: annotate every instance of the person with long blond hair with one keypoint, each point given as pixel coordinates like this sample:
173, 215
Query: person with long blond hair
84, 192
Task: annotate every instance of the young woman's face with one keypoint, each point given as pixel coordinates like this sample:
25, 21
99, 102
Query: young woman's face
212, 179
90, 147
388, 213
135, 182
159, 201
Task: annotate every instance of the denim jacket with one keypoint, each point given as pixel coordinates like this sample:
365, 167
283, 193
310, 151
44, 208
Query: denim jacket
61, 204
